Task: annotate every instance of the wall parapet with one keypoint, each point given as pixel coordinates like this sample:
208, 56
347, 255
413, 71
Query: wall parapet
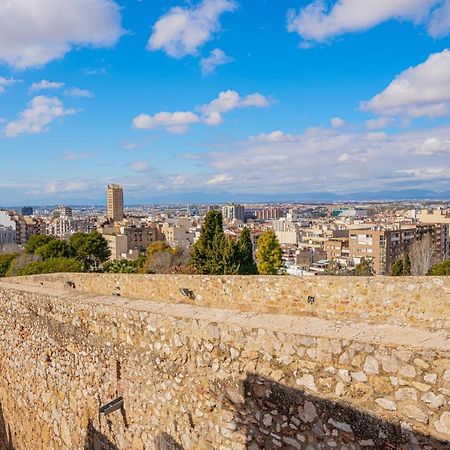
199, 377
417, 301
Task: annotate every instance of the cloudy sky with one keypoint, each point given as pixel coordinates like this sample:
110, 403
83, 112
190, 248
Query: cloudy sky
239, 96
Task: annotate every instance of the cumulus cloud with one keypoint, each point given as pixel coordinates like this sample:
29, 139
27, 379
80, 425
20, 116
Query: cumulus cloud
182, 31
35, 32
274, 136
41, 112
77, 92
434, 146
5, 82
320, 20
209, 113
174, 122
45, 84
227, 101
326, 159
216, 58
337, 122
423, 90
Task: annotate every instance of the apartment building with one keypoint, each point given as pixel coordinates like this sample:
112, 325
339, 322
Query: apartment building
114, 203
337, 248
233, 212
385, 246
269, 213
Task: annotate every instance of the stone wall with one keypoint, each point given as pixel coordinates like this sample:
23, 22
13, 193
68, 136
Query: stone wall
418, 301
196, 377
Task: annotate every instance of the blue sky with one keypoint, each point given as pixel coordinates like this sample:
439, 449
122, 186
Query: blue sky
222, 96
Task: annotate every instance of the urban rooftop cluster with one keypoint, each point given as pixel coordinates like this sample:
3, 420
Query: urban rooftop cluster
294, 239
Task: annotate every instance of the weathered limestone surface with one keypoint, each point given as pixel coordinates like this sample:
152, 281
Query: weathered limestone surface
207, 376
418, 301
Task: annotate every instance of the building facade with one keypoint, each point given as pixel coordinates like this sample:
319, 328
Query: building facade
114, 203
233, 212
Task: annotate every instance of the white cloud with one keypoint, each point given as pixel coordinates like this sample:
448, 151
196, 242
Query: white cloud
326, 159
140, 166
174, 122
182, 31
209, 113
216, 58
434, 146
41, 112
35, 32
337, 122
45, 84
77, 92
4, 82
220, 179
321, 20
227, 101
379, 122
274, 136
423, 90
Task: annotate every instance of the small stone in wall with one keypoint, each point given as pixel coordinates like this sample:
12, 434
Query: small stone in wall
307, 381
359, 376
407, 372
309, 412
389, 364
430, 378
443, 424
386, 404
406, 394
414, 412
371, 366
435, 401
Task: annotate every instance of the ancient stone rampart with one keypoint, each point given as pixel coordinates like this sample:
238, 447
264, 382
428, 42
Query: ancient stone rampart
233, 363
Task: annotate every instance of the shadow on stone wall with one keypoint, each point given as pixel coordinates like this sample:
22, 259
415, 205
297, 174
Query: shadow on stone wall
166, 442
5, 433
96, 440
276, 416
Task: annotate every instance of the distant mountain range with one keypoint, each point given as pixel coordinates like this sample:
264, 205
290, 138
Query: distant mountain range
226, 197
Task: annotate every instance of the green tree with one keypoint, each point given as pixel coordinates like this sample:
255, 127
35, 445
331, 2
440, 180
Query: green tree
246, 260
91, 249
37, 241
440, 269
269, 254
5, 262
402, 267
207, 252
121, 266
337, 269
55, 249
364, 268
52, 265
231, 257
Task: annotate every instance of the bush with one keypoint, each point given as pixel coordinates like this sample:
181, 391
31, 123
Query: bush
121, 266
5, 262
440, 269
52, 265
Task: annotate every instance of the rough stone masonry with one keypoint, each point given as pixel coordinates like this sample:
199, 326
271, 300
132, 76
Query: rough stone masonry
239, 363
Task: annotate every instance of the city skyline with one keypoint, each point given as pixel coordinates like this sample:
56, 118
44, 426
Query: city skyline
221, 96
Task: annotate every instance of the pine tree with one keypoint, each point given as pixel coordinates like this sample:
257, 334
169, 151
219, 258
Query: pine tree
402, 267
231, 264
268, 254
245, 247
207, 252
